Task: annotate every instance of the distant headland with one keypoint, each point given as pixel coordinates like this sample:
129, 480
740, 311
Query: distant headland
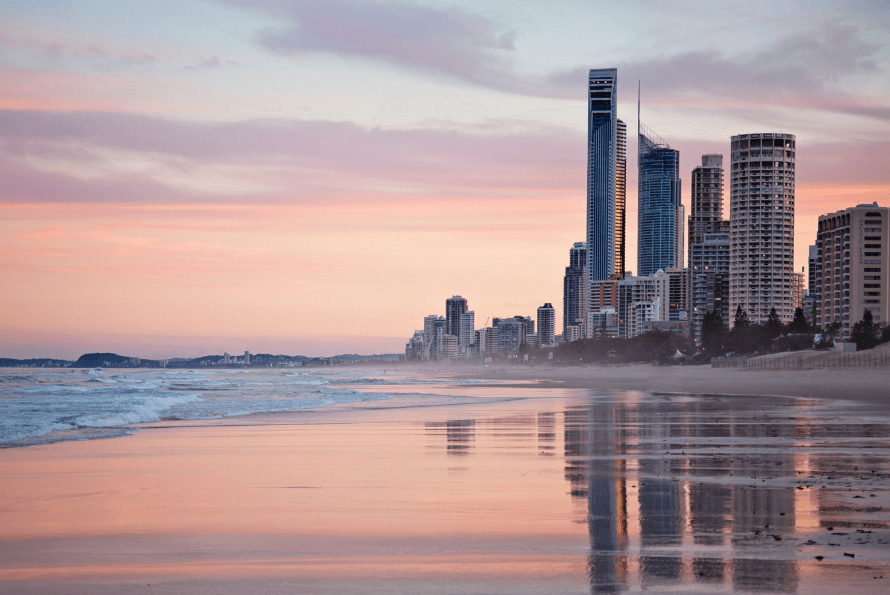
248, 360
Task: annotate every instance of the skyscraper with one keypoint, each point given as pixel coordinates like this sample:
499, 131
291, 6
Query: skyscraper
706, 200
708, 244
602, 173
659, 204
467, 336
761, 219
573, 297
454, 307
546, 324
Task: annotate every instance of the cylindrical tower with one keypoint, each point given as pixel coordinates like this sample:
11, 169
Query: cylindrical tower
761, 201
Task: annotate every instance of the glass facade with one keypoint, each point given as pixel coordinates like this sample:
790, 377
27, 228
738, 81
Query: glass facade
602, 173
659, 204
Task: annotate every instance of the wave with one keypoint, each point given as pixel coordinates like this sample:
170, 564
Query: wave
148, 411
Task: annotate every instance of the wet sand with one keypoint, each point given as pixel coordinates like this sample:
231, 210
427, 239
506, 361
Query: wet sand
563, 490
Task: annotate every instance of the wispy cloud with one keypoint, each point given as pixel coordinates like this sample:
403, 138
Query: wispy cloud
802, 69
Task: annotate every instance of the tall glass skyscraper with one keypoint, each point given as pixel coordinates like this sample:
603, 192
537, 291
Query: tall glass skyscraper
602, 173
659, 224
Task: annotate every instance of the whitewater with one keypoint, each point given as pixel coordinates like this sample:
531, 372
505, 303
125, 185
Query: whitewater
40, 406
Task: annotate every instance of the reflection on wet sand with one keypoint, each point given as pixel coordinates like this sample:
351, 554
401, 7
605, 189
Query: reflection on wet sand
716, 492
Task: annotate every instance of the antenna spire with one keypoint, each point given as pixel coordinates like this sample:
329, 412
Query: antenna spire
638, 107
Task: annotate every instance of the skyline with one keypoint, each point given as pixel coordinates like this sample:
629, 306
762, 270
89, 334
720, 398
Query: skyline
257, 183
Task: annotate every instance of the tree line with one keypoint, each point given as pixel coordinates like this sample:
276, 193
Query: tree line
744, 337
773, 336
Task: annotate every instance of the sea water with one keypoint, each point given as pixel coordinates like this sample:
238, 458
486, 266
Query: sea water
43, 406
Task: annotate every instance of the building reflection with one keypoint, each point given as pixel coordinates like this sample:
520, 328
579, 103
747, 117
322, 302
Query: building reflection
710, 500
763, 513
460, 434
595, 469
547, 434
661, 498
663, 461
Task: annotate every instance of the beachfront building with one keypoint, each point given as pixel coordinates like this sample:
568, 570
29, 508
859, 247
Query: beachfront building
708, 244
440, 327
641, 299
603, 323
487, 340
659, 224
797, 293
678, 293
761, 201
606, 172
708, 279
852, 266
546, 324
574, 332
574, 295
812, 262
454, 307
467, 338
414, 349
511, 335
428, 322
706, 201
447, 347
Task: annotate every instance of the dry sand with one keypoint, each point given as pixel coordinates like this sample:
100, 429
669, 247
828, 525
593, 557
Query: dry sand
868, 384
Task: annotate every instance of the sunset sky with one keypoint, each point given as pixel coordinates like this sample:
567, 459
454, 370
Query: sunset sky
180, 178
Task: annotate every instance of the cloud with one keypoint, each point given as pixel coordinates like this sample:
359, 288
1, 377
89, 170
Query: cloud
800, 69
449, 41
211, 63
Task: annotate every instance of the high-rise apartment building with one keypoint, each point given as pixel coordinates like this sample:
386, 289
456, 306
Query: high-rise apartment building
812, 261
678, 293
574, 299
681, 236
761, 201
708, 244
602, 173
709, 279
454, 307
428, 322
546, 325
852, 266
440, 327
706, 200
467, 337
511, 335
658, 222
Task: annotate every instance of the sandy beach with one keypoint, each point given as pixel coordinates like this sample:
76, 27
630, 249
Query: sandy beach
866, 384
533, 480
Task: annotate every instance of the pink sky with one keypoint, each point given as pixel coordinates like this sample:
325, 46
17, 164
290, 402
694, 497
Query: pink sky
300, 178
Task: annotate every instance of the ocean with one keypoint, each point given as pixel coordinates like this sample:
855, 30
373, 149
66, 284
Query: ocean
41, 406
